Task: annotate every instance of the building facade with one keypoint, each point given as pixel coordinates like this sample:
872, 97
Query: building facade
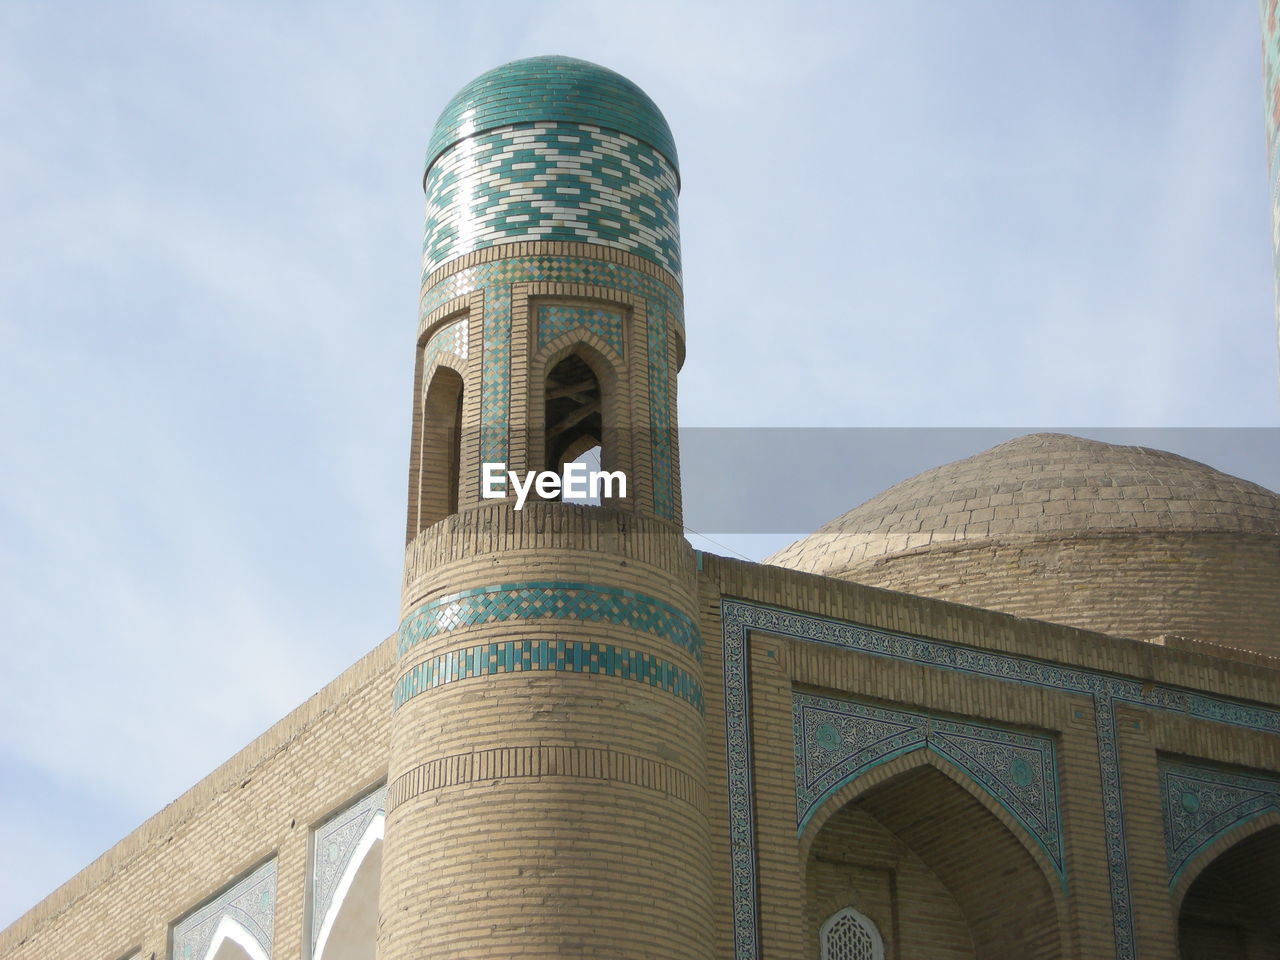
1022, 706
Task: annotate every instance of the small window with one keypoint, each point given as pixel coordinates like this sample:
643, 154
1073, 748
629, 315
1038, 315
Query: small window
848, 935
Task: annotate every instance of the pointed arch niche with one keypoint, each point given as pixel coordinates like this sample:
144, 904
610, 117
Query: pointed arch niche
436, 454
941, 871
238, 924
345, 871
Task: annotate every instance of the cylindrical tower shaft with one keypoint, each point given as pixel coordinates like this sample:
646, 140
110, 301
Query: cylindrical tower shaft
547, 774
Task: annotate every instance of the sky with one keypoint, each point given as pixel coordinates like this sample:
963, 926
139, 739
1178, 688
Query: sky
974, 213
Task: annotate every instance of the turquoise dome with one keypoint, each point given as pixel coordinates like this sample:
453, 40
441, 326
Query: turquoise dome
559, 89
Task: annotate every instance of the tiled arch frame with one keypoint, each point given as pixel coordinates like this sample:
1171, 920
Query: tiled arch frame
883, 773
1225, 841
243, 912
339, 846
740, 618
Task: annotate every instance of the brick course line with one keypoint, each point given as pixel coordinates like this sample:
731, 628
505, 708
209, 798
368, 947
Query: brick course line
503, 763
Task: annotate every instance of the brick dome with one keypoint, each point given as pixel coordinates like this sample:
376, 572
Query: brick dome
1124, 540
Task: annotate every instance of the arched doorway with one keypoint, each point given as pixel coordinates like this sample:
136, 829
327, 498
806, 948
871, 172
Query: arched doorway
939, 875
1231, 911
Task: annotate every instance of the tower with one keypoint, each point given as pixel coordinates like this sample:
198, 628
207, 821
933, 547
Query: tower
547, 790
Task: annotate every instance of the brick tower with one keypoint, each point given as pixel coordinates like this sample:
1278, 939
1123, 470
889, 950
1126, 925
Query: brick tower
547, 791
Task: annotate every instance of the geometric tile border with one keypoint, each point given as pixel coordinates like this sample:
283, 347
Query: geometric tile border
334, 844
542, 601
1200, 803
738, 618
837, 740
251, 903
561, 656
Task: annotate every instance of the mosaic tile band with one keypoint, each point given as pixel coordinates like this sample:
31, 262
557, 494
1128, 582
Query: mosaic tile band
663, 308
739, 618
838, 740
552, 182
1201, 803
548, 601
334, 844
560, 656
251, 903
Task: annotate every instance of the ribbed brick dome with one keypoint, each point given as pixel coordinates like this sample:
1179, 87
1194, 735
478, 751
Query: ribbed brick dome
1125, 540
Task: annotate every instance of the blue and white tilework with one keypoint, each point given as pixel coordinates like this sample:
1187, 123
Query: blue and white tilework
1200, 803
548, 601
335, 842
552, 181
251, 903
837, 740
663, 306
739, 619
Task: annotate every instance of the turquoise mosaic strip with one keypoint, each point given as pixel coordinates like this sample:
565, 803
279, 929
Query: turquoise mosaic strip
660, 417
549, 601
562, 656
495, 280
556, 319
552, 88
552, 182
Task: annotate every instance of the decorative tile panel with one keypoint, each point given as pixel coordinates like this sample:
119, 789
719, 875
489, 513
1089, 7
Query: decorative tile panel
663, 307
1200, 803
837, 740
739, 618
563, 656
554, 601
556, 319
552, 181
334, 844
450, 341
250, 903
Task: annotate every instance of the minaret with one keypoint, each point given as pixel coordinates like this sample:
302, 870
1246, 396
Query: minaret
547, 782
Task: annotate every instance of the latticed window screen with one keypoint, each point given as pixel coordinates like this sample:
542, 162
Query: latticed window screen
848, 935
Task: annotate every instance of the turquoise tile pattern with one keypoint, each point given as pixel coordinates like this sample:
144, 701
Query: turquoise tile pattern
450, 341
838, 740
549, 601
562, 656
555, 319
1200, 803
251, 903
552, 88
551, 181
663, 306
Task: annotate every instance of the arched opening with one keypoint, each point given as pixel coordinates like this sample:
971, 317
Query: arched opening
935, 871
1232, 909
350, 927
848, 935
574, 414
231, 941
441, 457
